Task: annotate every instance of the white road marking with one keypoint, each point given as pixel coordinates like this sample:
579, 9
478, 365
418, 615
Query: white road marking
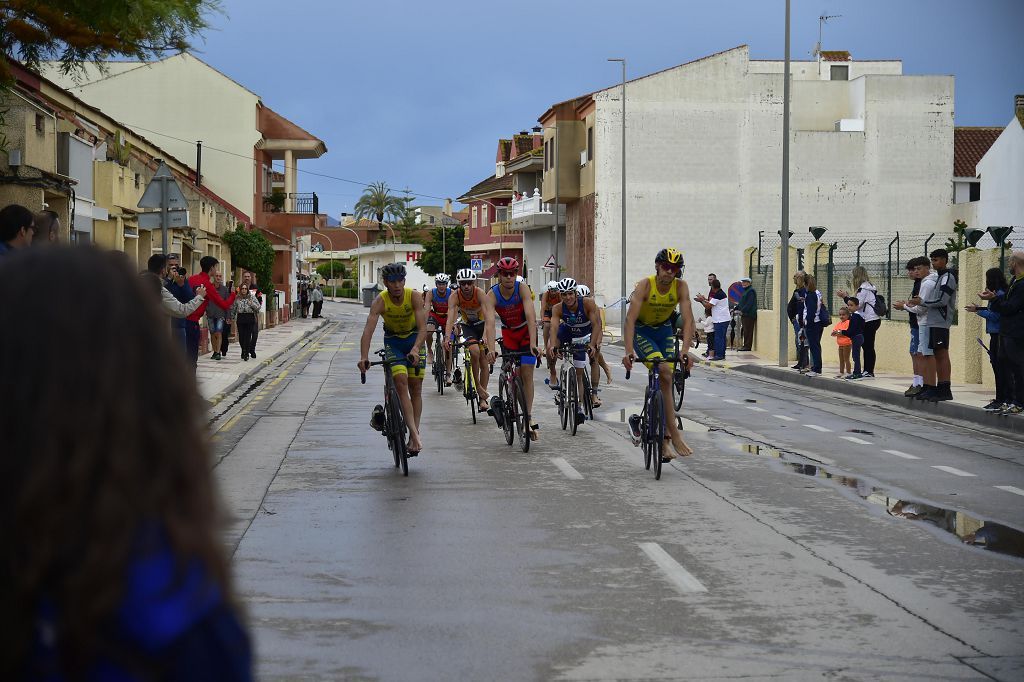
952, 470
731, 401
680, 578
1011, 489
695, 390
566, 468
783, 417
818, 428
904, 455
713, 395
755, 408
858, 441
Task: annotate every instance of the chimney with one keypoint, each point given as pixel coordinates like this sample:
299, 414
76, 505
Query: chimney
447, 207
1018, 108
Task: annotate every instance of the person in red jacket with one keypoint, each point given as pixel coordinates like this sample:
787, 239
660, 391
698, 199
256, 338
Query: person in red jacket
210, 266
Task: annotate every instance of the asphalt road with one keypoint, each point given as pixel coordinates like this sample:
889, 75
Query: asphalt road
809, 537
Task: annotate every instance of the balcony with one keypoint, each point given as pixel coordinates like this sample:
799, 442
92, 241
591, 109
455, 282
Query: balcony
500, 228
279, 202
531, 212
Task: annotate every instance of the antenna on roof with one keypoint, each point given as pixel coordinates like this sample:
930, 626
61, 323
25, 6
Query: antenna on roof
822, 20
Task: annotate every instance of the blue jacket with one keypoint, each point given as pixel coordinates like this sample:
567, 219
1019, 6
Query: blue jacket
183, 293
991, 316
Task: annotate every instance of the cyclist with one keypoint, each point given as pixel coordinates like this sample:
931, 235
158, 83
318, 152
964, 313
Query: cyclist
597, 361
547, 302
469, 303
648, 327
405, 331
575, 319
519, 325
436, 303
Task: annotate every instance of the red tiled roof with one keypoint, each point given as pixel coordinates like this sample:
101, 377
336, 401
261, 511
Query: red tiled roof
969, 145
835, 56
491, 184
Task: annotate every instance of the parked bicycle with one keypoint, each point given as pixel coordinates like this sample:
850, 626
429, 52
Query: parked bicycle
509, 406
574, 405
394, 421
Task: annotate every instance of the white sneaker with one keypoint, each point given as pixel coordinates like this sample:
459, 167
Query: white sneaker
813, 374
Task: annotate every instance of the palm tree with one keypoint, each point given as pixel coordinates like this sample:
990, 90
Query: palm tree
377, 202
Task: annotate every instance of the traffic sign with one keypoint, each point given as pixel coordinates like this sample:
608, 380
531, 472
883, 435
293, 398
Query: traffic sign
176, 220
735, 291
155, 191
550, 263
476, 264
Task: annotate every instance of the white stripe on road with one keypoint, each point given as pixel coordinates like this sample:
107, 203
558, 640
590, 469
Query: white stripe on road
566, 468
695, 390
755, 408
904, 455
858, 441
818, 428
682, 579
783, 417
951, 470
1011, 489
713, 395
731, 401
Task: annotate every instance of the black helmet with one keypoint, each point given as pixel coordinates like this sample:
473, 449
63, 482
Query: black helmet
393, 271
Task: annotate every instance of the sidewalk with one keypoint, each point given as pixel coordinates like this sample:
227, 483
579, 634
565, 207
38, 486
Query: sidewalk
968, 399
217, 378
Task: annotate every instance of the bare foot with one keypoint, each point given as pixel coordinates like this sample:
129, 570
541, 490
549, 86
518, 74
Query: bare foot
608, 374
667, 451
414, 444
681, 447
534, 433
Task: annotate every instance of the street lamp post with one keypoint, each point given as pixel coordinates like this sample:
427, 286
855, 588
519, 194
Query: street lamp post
622, 321
783, 281
359, 246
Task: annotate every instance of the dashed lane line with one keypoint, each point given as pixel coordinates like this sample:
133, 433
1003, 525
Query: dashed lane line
784, 418
680, 578
858, 441
566, 469
755, 408
904, 455
731, 401
953, 470
1011, 489
818, 428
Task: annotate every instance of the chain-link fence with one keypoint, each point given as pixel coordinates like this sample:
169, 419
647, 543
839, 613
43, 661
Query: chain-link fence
883, 255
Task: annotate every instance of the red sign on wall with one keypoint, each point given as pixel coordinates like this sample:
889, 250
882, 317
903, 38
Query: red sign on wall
412, 256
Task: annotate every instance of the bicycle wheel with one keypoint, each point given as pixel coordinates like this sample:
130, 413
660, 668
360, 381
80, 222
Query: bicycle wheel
399, 434
507, 425
522, 416
588, 395
573, 407
392, 412
563, 410
657, 433
678, 388
439, 365
470, 391
645, 440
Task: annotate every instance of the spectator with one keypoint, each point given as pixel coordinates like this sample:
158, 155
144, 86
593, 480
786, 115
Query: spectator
173, 263
304, 298
718, 302
317, 297
249, 279
793, 312
157, 265
748, 310
210, 266
994, 281
215, 316
866, 293
815, 315
924, 327
918, 269
17, 228
855, 332
183, 293
47, 227
845, 342
1011, 331
941, 306
113, 566
245, 310
708, 325
229, 321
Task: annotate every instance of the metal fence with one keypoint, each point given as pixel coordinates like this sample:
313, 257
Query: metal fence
883, 255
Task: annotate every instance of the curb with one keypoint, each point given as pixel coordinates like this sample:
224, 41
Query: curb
249, 372
944, 411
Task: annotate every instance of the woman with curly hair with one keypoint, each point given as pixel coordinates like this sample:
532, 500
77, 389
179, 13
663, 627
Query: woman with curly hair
112, 565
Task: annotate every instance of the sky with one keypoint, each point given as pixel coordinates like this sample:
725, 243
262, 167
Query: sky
417, 94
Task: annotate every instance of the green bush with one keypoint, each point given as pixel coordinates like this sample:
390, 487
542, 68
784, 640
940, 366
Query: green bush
342, 292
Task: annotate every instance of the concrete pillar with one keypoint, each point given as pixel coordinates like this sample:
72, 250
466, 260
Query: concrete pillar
971, 355
289, 181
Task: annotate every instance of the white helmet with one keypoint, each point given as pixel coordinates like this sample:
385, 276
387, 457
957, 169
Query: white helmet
442, 278
552, 286
566, 285
583, 290
465, 275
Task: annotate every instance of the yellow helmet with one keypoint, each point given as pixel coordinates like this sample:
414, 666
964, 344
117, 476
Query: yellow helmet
669, 256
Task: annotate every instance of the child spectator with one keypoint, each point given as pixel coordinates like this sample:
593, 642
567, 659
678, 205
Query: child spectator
844, 342
855, 332
995, 281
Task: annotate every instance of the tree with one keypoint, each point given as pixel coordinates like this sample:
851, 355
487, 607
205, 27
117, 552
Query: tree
407, 229
455, 256
73, 32
957, 243
324, 269
377, 203
251, 250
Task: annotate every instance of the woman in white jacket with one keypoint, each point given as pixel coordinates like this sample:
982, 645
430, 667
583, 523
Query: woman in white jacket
866, 294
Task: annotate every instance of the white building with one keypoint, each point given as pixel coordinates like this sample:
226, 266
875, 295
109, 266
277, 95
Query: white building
1001, 172
871, 151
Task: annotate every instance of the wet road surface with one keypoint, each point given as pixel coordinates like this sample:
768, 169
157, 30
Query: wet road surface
794, 545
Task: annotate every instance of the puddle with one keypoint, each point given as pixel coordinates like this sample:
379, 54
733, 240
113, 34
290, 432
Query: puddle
252, 387
968, 529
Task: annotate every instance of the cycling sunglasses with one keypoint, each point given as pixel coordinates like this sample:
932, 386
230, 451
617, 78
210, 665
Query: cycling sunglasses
394, 278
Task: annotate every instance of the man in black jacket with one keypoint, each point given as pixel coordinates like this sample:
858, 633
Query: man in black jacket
796, 304
1011, 331
748, 312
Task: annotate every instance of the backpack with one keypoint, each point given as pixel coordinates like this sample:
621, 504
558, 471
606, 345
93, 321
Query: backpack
881, 307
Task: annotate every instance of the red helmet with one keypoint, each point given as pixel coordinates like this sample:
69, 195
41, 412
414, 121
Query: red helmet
508, 264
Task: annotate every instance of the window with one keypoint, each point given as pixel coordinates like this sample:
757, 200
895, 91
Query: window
501, 214
474, 220
975, 191
431, 220
485, 215
590, 143
138, 180
840, 73
40, 123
